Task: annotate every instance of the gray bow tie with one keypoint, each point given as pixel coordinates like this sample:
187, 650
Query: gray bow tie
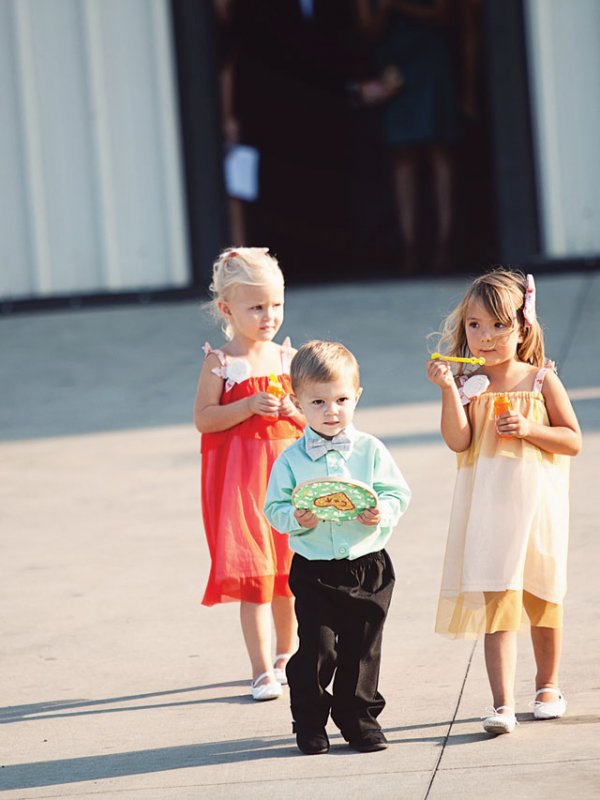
318, 447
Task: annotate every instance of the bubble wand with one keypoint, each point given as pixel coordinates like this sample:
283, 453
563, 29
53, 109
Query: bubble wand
458, 359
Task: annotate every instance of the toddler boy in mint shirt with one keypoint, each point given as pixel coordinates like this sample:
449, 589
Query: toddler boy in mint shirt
341, 576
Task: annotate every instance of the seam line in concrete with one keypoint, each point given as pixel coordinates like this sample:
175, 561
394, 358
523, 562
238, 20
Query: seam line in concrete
450, 726
517, 764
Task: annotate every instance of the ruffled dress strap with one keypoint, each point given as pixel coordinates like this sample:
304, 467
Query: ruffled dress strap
221, 371
286, 355
541, 374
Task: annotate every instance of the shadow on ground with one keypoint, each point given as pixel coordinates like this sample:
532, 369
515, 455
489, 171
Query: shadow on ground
163, 759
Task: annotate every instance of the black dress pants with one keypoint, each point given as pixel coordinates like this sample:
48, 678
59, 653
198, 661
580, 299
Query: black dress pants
341, 607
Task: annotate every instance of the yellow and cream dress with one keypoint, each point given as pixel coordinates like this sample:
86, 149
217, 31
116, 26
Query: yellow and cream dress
508, 535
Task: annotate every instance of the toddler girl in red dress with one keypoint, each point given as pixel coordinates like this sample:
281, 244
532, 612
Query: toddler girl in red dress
246, 418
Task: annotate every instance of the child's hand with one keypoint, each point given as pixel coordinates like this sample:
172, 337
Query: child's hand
287, 408
306, 518
265, 404
513, 425
440, 373
370, 517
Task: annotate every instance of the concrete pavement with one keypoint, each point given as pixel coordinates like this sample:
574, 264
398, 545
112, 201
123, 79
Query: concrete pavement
117, 683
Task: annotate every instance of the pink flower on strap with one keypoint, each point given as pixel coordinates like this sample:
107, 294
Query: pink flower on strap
529, 303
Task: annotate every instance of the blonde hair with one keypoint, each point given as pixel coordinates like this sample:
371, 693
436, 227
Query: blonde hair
502, 293
323, 362
240, 266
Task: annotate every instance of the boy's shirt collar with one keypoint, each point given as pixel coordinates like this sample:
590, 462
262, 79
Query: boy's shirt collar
317, 445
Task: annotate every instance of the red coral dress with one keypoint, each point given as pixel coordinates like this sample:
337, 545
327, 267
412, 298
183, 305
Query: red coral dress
249, 560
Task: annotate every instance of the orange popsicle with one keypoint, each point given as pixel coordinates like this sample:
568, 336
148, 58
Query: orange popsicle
275, 388
502, 406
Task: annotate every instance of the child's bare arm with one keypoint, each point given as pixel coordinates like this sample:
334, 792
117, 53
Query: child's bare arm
562, 436
288, 409
455, 426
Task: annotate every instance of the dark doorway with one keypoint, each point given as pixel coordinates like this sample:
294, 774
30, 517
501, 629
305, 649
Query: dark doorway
303, 87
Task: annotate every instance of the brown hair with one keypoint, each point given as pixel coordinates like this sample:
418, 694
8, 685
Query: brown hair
323, 362
502, 293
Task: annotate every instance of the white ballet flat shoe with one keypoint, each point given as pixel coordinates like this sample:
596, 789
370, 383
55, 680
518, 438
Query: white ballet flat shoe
500, 723
266, 691
279, 672
550, 709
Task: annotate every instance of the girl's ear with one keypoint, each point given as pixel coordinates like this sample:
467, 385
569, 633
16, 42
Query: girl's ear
223, 308
358, 393
295, 401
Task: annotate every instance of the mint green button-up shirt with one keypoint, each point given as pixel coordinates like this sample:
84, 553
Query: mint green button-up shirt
368, 461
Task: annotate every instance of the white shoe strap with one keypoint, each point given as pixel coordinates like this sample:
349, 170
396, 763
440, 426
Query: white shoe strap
549, 689
261, 676
490, 711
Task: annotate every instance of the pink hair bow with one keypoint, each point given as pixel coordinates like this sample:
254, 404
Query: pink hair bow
233, 253
529, 304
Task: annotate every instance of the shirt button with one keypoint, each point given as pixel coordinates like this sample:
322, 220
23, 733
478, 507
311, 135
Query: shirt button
342, 550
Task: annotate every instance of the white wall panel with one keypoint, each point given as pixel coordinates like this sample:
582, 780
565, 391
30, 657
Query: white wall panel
16, 263
564, 60
92, 199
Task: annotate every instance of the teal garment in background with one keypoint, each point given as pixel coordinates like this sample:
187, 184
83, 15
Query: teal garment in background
426, 109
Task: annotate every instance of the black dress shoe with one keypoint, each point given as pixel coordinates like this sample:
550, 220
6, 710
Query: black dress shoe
311, 741
369, 742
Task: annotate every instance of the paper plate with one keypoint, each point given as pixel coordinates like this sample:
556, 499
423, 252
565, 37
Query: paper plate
334, 500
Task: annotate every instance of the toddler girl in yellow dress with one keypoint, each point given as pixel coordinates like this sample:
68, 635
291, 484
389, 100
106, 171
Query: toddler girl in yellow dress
508, 534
